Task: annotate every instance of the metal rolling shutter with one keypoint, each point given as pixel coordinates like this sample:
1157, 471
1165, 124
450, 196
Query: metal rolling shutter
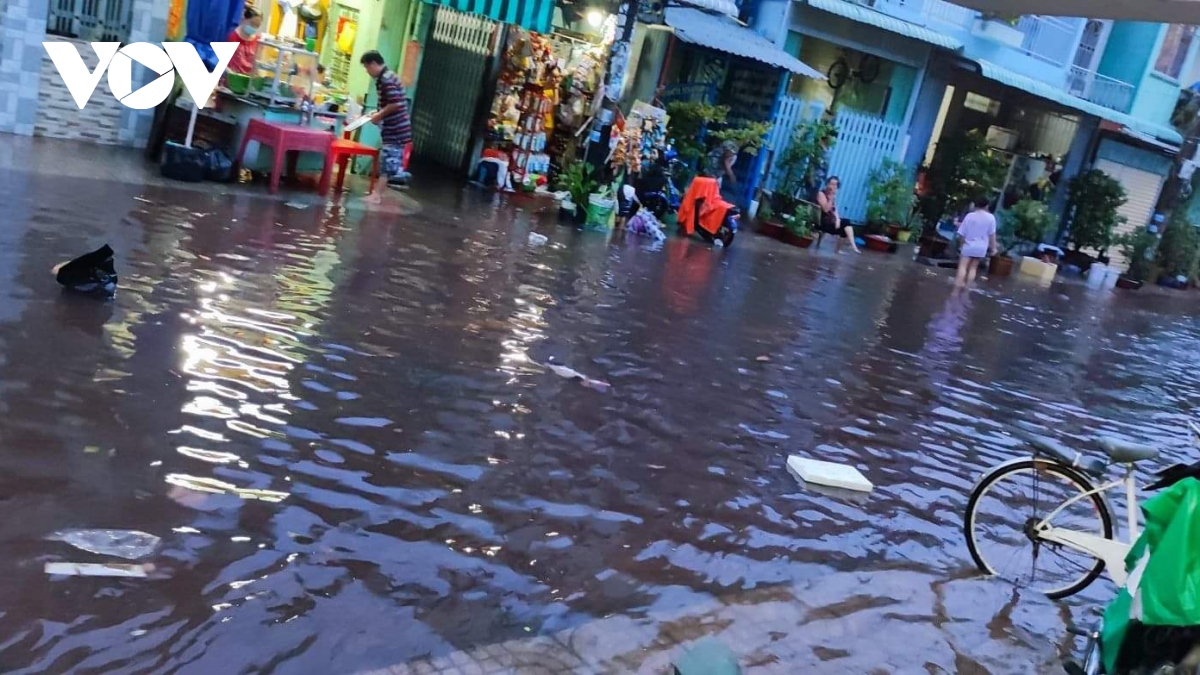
1142, 189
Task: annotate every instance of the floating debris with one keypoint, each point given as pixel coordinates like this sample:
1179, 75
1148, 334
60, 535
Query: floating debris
128, 544
215, 486
70, 569
89, 273
827, 473
572, 374
536, 239
773, 435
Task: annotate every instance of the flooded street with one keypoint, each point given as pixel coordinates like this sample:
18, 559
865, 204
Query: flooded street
338, 424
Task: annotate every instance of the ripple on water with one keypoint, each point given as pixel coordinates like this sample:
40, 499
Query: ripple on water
328, 415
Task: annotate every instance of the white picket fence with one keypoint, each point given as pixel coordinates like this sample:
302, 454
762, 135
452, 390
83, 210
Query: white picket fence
863, 142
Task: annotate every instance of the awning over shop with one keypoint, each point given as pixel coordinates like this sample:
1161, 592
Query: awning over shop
861, 14
724, 34
534, 15
726, 7
1060, 96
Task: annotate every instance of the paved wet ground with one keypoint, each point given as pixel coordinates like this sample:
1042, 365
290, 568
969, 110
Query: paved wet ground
340, 423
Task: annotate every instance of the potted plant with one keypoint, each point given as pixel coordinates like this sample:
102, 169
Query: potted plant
801, 166
577, 181
1027, 223
800, 224
1177, 252
963, 169
890, 196
1138, 247
1094, 199
914, 225
687, 125
767, 224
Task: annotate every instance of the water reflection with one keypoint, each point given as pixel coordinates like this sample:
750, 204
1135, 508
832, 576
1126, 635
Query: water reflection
341, 427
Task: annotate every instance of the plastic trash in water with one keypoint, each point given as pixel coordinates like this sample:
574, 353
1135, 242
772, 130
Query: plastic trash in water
572, 374
71, 569
536, 239
708, 657
128, 544
89, 273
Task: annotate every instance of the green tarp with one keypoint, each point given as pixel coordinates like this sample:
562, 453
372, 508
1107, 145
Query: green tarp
1167, 588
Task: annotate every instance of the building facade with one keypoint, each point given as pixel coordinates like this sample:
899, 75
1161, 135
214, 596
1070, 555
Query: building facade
1059, 95
34, 101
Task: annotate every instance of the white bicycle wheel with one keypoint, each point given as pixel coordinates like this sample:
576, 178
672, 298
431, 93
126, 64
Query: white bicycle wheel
1005, 507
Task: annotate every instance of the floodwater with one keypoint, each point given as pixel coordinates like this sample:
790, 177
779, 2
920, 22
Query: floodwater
337, 424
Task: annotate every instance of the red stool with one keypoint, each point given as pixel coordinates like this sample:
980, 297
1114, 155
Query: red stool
285, 138
340, 152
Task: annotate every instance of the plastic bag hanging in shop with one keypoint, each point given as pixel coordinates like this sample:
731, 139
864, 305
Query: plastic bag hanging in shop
1159, 607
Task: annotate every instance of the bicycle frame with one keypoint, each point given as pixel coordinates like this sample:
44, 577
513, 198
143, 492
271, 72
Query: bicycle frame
1111, 551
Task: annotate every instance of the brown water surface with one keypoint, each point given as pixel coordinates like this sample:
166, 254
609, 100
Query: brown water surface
337, 423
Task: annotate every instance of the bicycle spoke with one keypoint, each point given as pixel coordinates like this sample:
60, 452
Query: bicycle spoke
1004, 519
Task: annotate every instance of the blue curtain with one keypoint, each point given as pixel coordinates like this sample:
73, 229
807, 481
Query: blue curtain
210, 21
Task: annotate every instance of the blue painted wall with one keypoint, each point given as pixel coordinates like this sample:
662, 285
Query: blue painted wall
1127, 54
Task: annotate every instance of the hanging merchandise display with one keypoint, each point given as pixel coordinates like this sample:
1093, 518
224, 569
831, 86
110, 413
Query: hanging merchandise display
543, 98
177, 20
638, 140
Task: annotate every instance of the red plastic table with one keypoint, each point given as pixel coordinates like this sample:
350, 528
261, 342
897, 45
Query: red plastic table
285, 138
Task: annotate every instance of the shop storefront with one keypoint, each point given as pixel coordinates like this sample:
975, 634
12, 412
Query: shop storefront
546, 95
709, 57
305, 70
527, 79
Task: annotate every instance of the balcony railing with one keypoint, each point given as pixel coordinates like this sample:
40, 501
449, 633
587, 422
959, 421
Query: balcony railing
1100, 89
1047, 38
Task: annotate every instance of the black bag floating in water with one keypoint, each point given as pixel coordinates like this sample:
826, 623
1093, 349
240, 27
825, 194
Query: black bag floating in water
89, 273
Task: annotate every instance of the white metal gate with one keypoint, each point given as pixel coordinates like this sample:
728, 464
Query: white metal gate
863, 142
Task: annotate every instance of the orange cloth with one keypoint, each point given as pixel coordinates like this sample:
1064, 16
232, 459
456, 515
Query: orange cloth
712, 211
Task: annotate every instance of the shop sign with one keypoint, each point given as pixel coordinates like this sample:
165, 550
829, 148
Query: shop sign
117, 61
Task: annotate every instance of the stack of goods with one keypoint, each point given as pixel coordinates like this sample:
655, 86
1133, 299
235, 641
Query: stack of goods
522, 116
641, 139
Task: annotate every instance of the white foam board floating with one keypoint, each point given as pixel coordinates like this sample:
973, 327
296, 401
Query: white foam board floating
827, 473
95, 570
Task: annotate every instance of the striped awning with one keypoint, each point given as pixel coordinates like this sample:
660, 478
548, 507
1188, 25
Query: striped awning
534, 15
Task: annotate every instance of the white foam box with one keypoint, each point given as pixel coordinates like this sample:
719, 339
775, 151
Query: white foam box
827, 473
1036, 268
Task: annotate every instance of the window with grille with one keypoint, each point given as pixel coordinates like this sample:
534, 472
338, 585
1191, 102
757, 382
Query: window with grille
91, 20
